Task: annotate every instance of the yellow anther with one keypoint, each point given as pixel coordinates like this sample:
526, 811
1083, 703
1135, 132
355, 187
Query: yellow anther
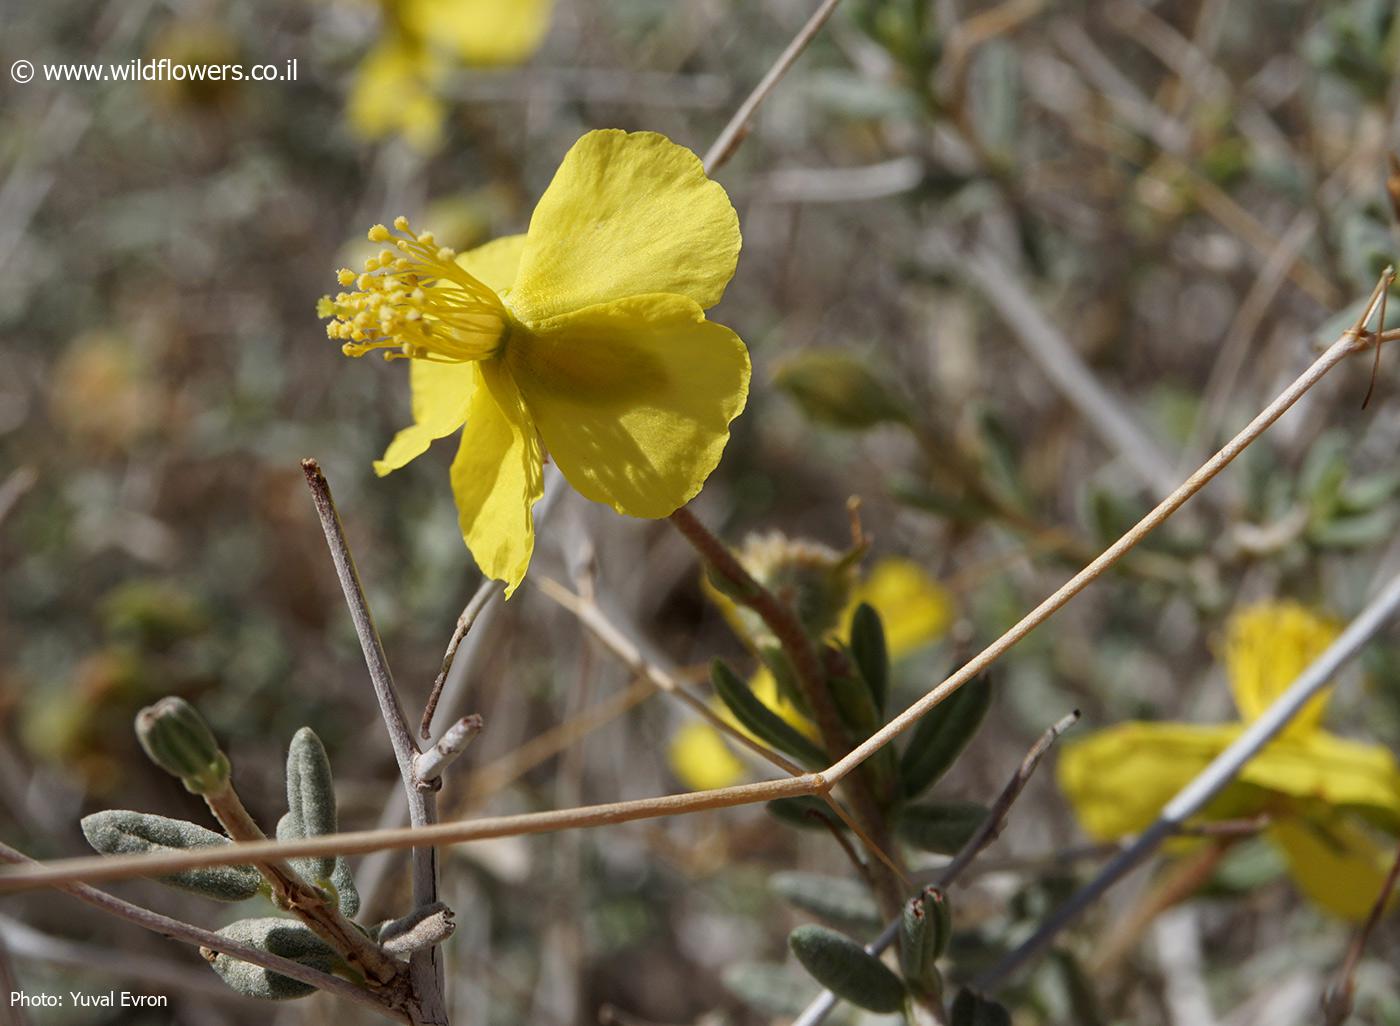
401, 223
379, 233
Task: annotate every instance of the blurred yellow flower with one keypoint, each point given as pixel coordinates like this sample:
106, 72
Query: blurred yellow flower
915, 610
396, 87
585, 338
1319, 790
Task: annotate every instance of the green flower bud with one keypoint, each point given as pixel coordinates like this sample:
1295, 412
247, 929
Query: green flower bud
178, 740
923, 937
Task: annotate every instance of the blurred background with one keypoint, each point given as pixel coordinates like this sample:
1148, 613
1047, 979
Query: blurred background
1010, 271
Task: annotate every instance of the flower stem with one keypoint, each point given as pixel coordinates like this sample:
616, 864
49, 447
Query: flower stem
779, 617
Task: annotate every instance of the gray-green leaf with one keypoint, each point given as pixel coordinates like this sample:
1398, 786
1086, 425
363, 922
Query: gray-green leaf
839, 901
846, 969
124, 832
311, 795
284, 937
940, 827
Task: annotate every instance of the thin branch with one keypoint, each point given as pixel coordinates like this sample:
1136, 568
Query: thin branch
991, 829
428, 767
176, 930
425, 970
825, 1002
1211, 780
126, 867
1059, 361
485, 594
733, 133
1338, 1000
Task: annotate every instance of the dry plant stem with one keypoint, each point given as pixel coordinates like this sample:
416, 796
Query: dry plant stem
593, 618
424, 967
127, 866
779, 618
1351, 342
176, 930
733, 133
308, 903
428, 767
1209, 782
488, 590
1338, 1000
825, 1002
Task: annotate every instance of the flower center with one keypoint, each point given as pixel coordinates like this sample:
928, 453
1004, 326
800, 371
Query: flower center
413, 301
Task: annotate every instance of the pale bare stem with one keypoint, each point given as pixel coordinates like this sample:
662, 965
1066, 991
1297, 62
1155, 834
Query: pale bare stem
1337, 1002
180, 931
592, 617
429, 766
738, 127
1059, 361
1211, 780
995, 823
484, 595
823, 1004
424, 967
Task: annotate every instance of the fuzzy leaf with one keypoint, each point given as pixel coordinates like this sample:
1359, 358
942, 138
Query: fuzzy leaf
285, 937
839, 901
846, 969
940, 827
311, 795
340, 879
124, 832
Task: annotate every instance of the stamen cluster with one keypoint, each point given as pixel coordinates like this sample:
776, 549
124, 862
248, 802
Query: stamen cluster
413, 301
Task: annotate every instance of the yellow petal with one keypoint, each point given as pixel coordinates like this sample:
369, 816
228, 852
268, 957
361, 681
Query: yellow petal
442, 393
495, 263
914, 607
497, 477
484, 32
1334, 861
392, 95
633, 398
1119, 779
702, 760
626, 215
1333, 770
1266, 647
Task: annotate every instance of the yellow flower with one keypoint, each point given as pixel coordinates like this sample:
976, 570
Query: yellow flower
585, 338
396, 87
1319, 790
915, 610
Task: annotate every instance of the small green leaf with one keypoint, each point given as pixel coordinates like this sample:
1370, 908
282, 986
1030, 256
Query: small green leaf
761, 721
124, 832
870, 652
971, 1009
940, 827
839, 901
340, 880
311, 796
347, 894
846, 969
942, 735
285, 937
